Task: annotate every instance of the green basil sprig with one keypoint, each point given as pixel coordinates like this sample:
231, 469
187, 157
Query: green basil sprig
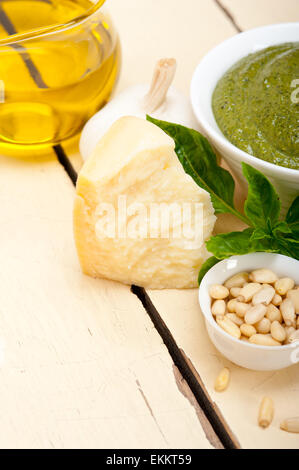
262, 207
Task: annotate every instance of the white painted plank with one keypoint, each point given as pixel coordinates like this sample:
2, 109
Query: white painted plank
240, 402
83, 365
252, 13
180, 309
69, 383
150, 30
81, 355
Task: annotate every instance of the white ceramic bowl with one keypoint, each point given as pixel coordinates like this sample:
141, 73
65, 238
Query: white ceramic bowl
240, 352
210, 70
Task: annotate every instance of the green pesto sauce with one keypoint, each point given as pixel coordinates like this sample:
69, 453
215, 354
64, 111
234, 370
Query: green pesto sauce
253, 108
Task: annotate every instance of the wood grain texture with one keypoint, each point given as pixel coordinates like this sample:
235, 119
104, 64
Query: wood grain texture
239, 404
150, 30
75, 372
180, 310
83, 365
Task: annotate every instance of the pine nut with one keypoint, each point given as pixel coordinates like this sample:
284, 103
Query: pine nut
257, 307
293, 295
238, 280
255, 314
266, 412
288, 311
231, 305
290, 425
263, 340
218, 292
283, 285
227, 325
222, 380
294, 336
263, 326
249, 290
263, 296
277, 299
241, 308
265, 276
278, 332
273, 313
235, 291
218, 307
289, 331
244, 338
247, 330
234, 318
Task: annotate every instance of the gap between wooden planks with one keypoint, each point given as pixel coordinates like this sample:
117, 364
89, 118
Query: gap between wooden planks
64, 385
186, 379
83, 365
189, 65
249, 14
179, 309
239, 405
169, 44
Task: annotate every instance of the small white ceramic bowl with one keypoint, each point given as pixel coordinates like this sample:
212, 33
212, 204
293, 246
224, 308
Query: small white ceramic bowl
210, 70
240, 352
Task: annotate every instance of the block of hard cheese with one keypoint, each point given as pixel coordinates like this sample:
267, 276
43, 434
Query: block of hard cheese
122, 190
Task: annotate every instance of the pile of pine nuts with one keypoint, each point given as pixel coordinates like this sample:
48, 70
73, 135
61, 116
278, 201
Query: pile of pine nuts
257, 307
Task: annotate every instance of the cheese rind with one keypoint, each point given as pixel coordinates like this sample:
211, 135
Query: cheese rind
135, 164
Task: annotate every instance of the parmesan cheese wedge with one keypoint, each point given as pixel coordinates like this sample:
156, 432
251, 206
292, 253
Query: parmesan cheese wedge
138, 217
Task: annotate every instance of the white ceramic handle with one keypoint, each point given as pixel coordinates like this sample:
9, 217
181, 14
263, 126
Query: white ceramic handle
295, 355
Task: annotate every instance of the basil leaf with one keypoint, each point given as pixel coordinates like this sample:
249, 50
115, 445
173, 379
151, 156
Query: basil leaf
288, 247
293, 212
292, 217
262, 205
249, 241
229, 244
207, 265
281, 228
267, 244
200, 162
259, 234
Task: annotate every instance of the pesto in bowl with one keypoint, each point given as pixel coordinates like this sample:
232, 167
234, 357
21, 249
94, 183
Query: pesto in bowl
256, 104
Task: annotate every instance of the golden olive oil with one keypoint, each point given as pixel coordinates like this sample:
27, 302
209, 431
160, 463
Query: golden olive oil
51, 82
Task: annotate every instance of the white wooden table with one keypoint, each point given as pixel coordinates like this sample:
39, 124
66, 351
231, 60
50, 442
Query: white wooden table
86, 363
